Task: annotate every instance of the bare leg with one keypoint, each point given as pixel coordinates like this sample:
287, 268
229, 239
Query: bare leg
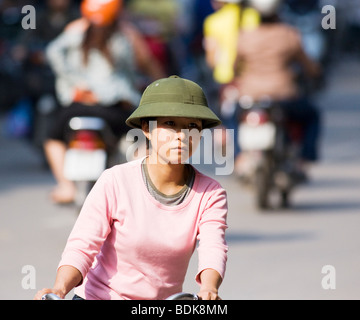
55, 153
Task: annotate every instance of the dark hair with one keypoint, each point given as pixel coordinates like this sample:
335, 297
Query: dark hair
147, 120
98, 37
270, 19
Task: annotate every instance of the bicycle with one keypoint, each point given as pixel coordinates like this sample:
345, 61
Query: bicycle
176, 296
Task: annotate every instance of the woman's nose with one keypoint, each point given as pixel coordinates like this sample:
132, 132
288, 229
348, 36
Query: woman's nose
181, 134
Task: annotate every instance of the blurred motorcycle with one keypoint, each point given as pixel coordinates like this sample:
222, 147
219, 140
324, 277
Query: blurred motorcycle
270, 147
91, 148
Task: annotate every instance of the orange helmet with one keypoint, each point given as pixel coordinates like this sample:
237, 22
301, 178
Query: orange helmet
101, 12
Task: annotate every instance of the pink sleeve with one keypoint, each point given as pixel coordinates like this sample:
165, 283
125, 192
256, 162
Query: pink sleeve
91, 228
212, 249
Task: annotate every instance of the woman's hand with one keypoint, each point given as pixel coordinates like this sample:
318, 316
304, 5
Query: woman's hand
85, 96
210, 282
208, 295
67, 277
40, 293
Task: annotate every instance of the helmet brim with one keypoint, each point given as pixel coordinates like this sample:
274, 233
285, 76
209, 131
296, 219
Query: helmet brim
165, 109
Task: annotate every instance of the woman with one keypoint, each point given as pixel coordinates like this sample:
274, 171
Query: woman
95, 60
139, 225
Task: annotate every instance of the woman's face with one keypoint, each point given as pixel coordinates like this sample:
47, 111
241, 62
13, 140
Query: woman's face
173, 139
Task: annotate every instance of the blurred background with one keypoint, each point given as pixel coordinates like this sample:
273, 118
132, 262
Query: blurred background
277, 254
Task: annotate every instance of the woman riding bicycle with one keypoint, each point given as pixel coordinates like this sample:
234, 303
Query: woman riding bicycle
140, 223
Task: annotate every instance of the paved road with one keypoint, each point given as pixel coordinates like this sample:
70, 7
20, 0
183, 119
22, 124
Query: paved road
271, 256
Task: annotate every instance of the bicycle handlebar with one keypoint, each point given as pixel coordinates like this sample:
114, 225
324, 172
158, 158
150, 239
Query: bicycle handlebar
50, 296
176, 296
183, 296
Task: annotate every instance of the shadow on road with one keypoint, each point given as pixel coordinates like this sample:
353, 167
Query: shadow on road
249, 237
327, 207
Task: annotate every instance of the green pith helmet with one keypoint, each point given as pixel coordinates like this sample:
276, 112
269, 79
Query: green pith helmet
173, 97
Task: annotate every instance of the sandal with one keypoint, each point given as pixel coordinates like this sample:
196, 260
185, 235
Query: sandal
63, 193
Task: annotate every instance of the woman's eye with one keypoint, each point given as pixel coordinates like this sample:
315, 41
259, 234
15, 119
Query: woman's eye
170, 123
193, 125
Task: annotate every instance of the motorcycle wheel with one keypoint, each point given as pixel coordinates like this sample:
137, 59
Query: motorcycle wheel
285, 199
262, 188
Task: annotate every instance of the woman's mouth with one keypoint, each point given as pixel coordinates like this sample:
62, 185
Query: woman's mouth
180, 149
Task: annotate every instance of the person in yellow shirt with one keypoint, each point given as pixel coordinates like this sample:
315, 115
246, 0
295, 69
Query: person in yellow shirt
220, 36
221, 30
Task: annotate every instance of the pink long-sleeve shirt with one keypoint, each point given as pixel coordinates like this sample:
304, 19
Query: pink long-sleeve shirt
127, 245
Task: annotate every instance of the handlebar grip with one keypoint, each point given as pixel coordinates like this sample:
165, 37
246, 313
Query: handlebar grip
50, 296
183, 296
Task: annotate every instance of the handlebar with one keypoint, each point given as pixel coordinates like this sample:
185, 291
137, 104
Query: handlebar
183, 296
50, 296
176, 296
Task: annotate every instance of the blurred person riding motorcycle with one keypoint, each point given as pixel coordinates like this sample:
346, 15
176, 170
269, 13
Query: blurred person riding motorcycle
221, 30
96, 60
264, 69
266, 59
